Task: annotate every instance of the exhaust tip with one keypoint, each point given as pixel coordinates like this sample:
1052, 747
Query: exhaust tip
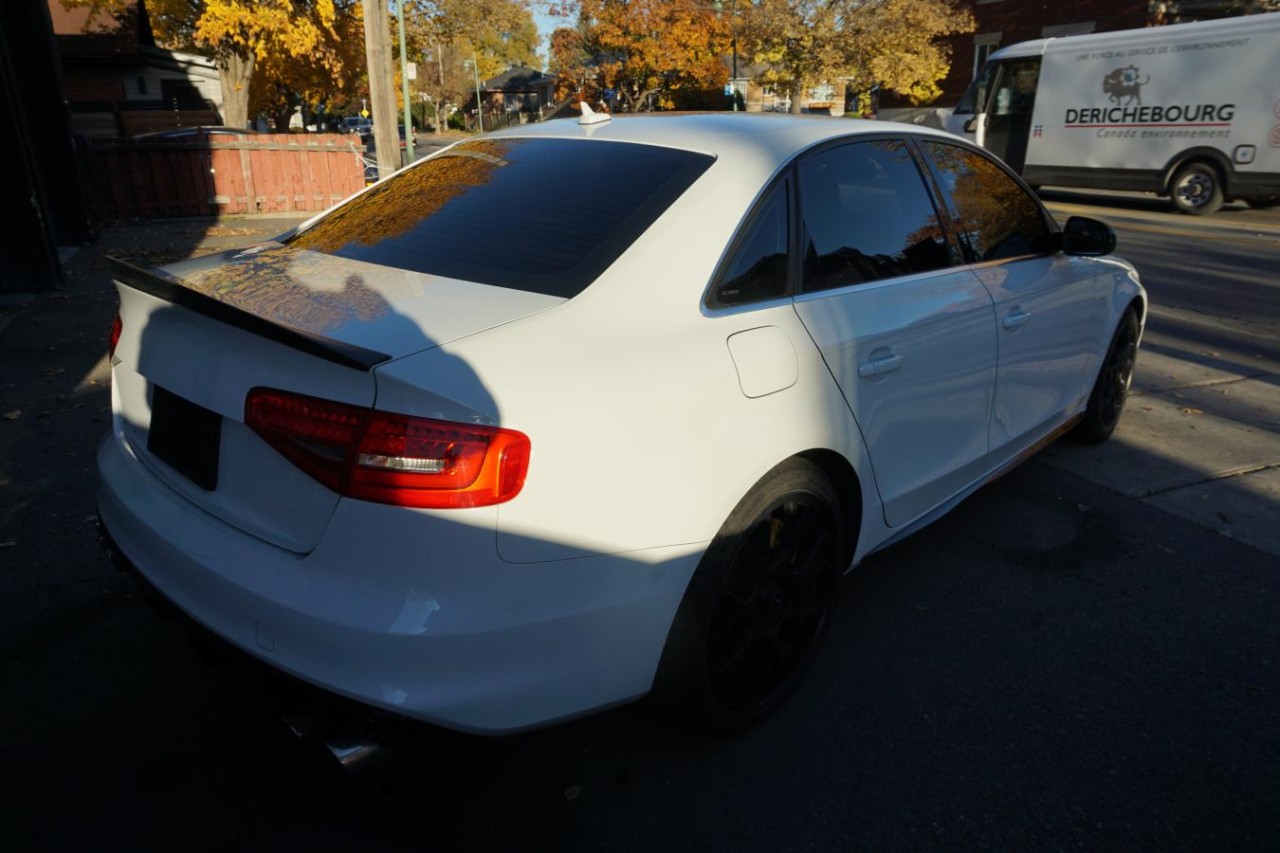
353, 752
342, 740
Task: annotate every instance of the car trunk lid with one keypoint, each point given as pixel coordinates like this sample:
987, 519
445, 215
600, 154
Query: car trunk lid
199, 335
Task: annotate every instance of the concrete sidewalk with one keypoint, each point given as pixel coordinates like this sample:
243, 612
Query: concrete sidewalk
1200, 438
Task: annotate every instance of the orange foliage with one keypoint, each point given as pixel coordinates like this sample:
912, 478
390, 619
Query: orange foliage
643, 50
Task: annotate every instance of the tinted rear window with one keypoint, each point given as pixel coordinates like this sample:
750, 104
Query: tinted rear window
543, 215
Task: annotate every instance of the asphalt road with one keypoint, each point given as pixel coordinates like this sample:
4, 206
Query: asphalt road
1221, 267
1054, 665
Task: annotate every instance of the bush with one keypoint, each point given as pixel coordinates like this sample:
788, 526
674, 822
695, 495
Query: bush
706, 99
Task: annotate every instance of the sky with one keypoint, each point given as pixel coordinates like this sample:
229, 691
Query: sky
546, 24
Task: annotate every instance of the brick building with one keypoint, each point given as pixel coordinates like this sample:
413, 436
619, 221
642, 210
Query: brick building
118, 83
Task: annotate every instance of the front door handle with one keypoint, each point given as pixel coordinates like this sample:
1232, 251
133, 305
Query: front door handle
1015, 319
879, 366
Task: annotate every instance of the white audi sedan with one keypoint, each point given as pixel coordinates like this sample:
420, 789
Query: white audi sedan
564, 415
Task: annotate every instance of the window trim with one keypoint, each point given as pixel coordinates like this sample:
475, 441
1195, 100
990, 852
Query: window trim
784, 177
1054, 230
955, 242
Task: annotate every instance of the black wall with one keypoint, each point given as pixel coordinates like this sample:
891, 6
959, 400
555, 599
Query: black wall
42, 195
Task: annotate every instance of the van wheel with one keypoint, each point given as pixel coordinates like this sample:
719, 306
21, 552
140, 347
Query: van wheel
1264, 203
758, 607
1197, 189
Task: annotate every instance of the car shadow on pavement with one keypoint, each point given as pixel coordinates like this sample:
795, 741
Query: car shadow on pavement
55, 410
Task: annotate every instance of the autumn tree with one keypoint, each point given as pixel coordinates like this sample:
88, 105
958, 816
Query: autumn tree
445, 36
289, 39
893, 44
644, 50
271, 45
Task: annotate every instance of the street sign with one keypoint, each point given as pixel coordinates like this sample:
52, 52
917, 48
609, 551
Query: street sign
411, 70
364, 114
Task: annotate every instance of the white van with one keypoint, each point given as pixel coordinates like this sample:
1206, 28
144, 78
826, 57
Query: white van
1191, 111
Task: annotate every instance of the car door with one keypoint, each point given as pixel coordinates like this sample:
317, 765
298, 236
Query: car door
1044, 300
906, 330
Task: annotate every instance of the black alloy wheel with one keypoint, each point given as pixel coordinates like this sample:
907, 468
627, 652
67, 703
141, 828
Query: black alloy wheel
1111, 389
759, 605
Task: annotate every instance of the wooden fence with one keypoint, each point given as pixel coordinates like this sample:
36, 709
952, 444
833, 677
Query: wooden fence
262, 173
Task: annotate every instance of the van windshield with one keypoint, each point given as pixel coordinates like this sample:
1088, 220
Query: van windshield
976, 96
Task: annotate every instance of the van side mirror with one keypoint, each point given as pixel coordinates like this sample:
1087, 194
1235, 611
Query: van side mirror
1087, 237
971, 126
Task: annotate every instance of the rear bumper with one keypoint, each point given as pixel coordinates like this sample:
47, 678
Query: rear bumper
409, 611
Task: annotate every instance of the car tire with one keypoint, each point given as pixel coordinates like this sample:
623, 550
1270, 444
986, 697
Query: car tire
1265, 203
1197, 189
758, 606
1111, 388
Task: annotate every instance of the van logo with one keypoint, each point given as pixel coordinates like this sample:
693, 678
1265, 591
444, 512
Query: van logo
1123, 85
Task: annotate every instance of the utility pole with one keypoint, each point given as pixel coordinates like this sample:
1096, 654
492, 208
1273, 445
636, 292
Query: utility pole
377, 50
733, 24
475, 71
404, 80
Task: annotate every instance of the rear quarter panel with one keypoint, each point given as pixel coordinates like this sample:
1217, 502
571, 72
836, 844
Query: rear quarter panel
642, 435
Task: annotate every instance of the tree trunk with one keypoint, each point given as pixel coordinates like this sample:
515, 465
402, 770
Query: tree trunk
797, 92
382, 97
283, 112
442, 111
234, 73
640, 104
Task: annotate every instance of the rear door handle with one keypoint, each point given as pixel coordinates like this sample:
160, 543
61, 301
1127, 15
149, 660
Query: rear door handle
1015, 319
879, 366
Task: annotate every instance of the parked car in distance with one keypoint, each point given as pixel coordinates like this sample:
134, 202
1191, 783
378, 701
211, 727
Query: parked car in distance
712, 363
357, 124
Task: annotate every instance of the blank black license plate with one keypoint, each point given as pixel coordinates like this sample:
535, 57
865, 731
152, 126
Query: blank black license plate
186, 437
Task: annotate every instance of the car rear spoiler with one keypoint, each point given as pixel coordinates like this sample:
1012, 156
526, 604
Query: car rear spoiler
172, 290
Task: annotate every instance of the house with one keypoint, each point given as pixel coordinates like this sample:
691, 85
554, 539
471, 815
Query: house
118, 83
519, 94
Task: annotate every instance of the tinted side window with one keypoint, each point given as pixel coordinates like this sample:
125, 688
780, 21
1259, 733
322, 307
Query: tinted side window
759, 267
995, 216
867, 216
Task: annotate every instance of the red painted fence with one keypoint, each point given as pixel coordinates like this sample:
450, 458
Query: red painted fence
261, 173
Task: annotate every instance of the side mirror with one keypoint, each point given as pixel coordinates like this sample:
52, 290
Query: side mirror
1088, 237
971, 126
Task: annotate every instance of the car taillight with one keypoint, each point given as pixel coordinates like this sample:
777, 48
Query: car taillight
390, 458
116, 328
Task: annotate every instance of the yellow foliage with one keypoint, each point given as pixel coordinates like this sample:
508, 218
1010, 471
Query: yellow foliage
888, 43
